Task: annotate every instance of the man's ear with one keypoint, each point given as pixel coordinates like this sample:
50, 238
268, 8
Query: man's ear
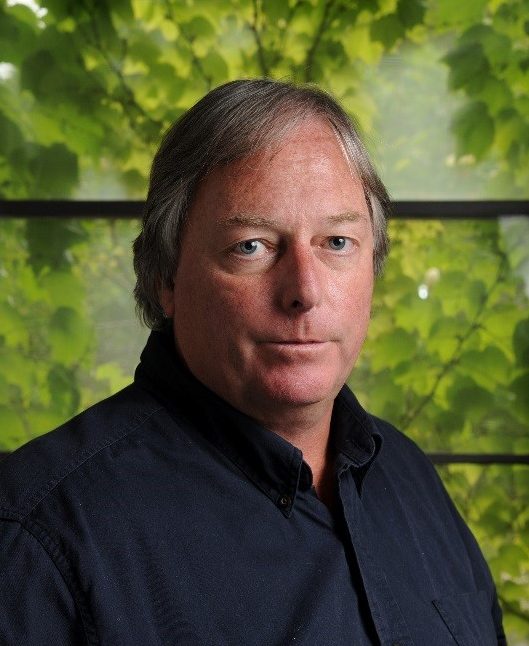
166, 298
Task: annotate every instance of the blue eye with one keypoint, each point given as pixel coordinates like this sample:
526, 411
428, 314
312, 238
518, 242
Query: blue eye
337, 243
248, 247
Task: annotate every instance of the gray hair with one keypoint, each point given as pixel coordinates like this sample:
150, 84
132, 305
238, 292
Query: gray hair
231, 122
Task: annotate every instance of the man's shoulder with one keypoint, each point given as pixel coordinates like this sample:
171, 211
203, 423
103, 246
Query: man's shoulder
36, 468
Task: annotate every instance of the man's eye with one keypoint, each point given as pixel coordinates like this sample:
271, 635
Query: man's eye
337, 243
249, 247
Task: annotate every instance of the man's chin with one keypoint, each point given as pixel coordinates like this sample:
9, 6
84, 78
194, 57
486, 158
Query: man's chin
295, 390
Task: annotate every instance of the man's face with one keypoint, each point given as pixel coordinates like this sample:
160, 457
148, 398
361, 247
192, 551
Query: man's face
272, 293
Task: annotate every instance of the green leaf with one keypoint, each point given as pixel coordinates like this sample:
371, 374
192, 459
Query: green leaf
18, 371
123, 9
444, 338
387, 30
413, 313
4, 393
520, 387
468, 67
13, 327
10, 135
112, 373
275, 10
55, 172
510, 130
64, 289
511, 557
393, 348
386, 398
64, 391
410, 12
17, 36
13, 431
496, 95
487, 367
496, 46
49, 240
144, 49
455, 12
474, 130
41, 420
214, 65
199, 27
24, 14
451, 421
520, 341
39, 73
69, 336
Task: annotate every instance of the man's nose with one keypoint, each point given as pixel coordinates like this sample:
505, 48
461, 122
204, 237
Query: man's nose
301, 280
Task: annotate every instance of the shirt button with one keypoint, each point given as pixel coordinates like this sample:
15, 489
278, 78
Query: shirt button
284, 501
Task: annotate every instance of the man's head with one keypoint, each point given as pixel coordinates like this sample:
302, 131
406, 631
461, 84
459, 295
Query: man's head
264, 226
231, 122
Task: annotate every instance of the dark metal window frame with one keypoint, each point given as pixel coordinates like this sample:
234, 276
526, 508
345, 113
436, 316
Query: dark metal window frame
405, 210
131, 209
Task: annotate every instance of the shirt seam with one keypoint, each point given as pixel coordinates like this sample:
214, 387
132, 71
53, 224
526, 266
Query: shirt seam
38, 496
57, 558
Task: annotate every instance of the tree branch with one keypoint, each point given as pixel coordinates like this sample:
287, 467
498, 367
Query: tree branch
309, 60
197, 63
128, 101
277, 55
265, 71
410, 416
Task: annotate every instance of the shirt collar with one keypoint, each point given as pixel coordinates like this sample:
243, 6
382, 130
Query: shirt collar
270, 462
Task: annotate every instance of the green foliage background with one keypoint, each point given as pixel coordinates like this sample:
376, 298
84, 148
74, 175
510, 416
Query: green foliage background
86, 90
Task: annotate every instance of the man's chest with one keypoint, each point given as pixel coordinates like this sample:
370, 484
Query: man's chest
218, 564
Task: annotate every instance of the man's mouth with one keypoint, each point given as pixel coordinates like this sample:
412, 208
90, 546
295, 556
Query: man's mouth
296, 345
297, 341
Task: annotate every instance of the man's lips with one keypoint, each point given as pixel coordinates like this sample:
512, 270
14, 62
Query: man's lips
296, 349
295, 342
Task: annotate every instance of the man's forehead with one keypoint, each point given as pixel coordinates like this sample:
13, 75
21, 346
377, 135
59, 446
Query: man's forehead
304, 140
306, 173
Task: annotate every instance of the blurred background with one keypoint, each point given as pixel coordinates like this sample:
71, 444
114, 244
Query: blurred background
440, 91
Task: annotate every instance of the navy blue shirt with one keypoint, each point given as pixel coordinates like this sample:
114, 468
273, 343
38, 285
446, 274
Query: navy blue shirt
164, 516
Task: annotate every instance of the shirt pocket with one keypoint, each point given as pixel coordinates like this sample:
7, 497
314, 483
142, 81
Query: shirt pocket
468, 617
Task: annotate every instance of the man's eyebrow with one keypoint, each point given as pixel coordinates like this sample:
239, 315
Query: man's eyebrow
248, 220
348, 216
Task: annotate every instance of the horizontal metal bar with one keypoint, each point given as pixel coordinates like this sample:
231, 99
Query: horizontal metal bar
421, 210
71, 209
460, 210
458, 458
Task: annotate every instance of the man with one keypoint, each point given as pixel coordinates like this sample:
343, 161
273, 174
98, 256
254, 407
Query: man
237, 493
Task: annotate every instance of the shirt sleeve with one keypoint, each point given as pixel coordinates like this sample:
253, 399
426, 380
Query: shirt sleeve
36, 606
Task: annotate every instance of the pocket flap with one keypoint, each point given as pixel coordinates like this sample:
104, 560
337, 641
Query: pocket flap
468, 617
